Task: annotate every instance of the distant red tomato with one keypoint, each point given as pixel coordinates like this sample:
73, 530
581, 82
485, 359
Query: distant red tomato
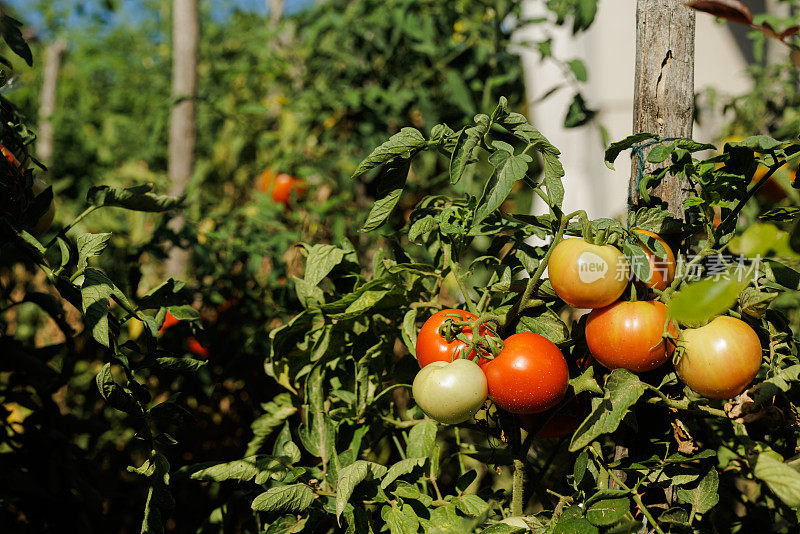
283, 186
196, 348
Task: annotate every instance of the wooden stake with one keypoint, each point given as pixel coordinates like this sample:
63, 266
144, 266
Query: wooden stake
664, 85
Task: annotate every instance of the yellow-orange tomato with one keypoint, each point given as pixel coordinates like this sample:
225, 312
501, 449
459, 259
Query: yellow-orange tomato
44, 222
628, 335
585, 275
662, 270
770, 190
720, 358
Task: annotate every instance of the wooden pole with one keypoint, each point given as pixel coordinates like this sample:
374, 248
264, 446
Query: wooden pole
47, 101
664, 85
185, 35
276, 9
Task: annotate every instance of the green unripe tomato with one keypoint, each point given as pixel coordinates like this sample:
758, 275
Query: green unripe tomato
450, 392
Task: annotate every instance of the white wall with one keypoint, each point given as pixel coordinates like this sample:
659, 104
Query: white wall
607, 50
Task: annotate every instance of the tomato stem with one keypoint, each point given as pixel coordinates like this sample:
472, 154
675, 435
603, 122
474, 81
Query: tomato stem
522, 303
454, 268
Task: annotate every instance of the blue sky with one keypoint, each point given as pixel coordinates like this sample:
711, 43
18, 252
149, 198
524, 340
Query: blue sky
128, 8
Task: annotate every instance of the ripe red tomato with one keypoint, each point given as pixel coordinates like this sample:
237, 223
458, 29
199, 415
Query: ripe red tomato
662, 270
169, 321
196, 348
530, 374
585, 275
283, 185
432, 345
627, 335
720, 358
450, 392
563, 423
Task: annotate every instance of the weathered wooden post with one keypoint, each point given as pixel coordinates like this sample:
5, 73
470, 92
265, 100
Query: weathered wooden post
664, 85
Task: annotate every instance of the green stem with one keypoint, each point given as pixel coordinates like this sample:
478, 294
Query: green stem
634, 495
69, 227
457, 275
750, 192
522, 303
461, 468
517, 487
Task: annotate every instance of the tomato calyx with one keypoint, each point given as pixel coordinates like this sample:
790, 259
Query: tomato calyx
483, 340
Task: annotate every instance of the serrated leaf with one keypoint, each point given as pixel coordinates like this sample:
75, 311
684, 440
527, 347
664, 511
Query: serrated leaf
390, 189
421, 440
401, 468
242, 470
637, 259
90, 245
704, 496
468, 139
699, 301
783, 480
404, 144
183, 365
607, 512
586, 382
623, 389
553, 172
509, 169
471, 505
614, 149
547, 324
351, 476
291, 498
276, 411
137, 198
321, 259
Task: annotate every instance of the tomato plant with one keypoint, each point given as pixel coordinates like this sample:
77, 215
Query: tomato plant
450, 392
586, 275
628, 335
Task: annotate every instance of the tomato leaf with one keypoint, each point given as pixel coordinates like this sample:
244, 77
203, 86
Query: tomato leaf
509, 169
703, 497
637, 259
607, 512
291, 498
401, 468
699, 301
782, 479
468, 139
547, 324
390, 188
404, 144
137, 198
351, 476
614, 149
421, 440
623, 389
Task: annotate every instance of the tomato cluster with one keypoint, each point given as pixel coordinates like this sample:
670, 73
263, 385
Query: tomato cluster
718, 360
528, 375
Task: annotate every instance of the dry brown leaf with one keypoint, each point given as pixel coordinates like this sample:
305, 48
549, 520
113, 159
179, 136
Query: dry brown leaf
732, 10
